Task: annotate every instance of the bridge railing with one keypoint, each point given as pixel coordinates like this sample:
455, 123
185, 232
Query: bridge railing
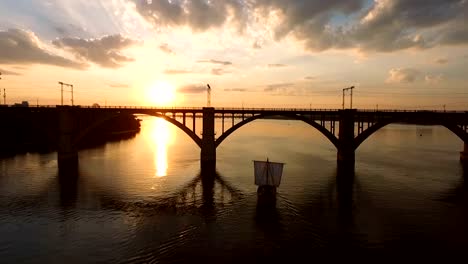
240, 109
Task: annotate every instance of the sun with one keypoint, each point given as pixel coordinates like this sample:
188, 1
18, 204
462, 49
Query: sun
162, 93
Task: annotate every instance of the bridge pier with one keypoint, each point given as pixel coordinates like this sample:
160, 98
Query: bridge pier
464, 155
67, 154
346, 152
208, 147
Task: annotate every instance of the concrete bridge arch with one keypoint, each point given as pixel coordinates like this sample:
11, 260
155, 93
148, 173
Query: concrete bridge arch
329, 135
95, 125
453, 127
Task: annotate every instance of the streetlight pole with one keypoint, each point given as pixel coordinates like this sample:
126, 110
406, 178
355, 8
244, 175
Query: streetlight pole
4, 92
208, 95
61, 91
343, 98
351, 94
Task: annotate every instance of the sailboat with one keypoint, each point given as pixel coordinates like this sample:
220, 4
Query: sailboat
267, 176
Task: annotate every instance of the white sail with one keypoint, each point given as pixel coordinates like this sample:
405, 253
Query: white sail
268, 173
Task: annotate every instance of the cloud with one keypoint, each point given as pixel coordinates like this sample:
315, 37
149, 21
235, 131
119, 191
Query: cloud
381, 26
118, 85
385, 26
218, 71
441, 61
175, 71
277, 87
192, 88
105, 51
256, 45
199, 15
165, 47
310, 77
434, 79
403, 75
277, 65
215, 62
24, 47
235, 90
7, 72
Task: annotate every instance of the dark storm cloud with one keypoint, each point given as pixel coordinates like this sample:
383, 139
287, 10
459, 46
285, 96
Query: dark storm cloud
23, 47
384, 26
192, 88
105, 51
215, 62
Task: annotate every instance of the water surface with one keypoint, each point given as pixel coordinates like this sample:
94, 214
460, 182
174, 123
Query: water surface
144, 200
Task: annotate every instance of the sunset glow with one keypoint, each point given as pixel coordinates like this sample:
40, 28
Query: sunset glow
253, 53
162, 94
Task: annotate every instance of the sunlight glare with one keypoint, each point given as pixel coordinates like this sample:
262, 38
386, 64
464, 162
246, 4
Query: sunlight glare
162, 138
162, 93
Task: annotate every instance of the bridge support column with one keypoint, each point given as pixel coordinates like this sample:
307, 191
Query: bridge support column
345, 156
464, 155
208, 149
67, 154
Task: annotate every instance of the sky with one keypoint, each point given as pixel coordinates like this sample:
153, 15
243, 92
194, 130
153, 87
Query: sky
398, 54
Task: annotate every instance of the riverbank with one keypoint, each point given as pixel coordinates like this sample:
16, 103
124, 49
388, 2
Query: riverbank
39, 133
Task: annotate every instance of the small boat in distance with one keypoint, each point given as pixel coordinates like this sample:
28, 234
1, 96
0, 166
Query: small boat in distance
267, 176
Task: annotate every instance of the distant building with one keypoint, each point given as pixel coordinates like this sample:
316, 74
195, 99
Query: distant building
22, 104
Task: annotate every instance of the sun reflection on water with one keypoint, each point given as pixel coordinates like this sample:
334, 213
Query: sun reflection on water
162, 138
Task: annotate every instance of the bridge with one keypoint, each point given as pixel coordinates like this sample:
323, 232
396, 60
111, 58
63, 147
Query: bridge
346, 129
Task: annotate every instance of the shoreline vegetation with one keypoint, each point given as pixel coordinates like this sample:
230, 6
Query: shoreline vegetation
39, 134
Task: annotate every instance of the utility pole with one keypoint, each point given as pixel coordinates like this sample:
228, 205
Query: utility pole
351, 94
4, 93
208, 95
61, 91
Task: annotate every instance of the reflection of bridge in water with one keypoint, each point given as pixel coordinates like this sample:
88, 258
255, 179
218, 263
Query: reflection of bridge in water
204, 195
345, 129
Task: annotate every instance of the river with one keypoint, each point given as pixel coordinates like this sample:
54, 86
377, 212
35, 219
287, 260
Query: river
143, 200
